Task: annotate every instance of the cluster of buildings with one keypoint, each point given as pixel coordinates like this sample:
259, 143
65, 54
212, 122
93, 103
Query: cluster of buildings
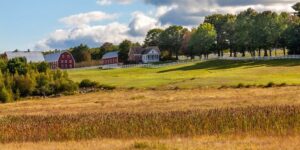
136, 55
62, 60
65, 60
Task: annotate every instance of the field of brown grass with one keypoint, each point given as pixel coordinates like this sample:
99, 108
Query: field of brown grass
193, 143
151, 119
154, 101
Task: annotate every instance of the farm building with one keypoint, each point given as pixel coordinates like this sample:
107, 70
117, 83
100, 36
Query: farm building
144, 55
62, 60
30, 56
110, 59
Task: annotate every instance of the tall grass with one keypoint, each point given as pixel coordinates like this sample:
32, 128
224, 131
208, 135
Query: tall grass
274, 120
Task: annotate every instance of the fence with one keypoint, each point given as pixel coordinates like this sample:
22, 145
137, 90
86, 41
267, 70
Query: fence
159, 65
262, 58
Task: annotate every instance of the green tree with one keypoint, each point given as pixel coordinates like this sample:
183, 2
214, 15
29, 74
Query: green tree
106, 47
152, 37
203, 40
296, 7
293, 38
242, 38
17, 65
124, 48
171, 40
81, 53
218, 21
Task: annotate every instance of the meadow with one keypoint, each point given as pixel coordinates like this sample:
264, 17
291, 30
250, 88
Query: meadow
140, 119
190, 106
214, 73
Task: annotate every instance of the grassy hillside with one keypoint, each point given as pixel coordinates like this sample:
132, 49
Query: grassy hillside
214, 73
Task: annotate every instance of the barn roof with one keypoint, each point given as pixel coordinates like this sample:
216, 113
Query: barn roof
32, 56
54, 57
111, 55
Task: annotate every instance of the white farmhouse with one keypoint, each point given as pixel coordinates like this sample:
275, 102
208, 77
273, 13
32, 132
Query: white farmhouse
151, 55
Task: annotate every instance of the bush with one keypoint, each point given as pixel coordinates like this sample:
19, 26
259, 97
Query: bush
64, 86
24, 84
42, 67
5, 95
88, 84
270, 84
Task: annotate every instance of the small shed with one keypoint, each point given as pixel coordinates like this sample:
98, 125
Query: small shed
30, 56
110, 58
62, 60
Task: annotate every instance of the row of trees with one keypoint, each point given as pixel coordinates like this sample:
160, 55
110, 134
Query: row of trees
258, 33
20, 79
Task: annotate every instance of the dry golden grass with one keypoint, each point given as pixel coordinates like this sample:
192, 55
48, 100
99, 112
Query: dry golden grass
196, 143
154, 101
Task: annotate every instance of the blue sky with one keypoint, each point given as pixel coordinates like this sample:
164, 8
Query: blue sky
50, 24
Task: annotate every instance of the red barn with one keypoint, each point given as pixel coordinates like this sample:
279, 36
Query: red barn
62, 60
110, 58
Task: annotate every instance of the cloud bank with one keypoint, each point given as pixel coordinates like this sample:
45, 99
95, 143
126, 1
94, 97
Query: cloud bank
83, 28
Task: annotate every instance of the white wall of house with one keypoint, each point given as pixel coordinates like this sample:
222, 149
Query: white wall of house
151, 57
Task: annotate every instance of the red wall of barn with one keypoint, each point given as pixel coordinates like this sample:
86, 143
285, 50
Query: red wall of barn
108, 61
66, 61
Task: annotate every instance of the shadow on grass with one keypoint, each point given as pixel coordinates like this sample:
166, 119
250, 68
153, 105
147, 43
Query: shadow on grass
229, 64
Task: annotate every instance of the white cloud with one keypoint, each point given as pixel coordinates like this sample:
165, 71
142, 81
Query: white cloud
192, 12
141, 23
93, 35
108, 2
86, 18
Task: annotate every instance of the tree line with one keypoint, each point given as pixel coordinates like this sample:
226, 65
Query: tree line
256, 33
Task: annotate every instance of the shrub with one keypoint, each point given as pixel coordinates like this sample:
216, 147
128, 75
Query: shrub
24, 84
64, 86
240, 85
5, 95
270, 84
42, 67
88, 84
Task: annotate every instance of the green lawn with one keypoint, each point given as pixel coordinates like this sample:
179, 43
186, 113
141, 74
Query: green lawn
204, 74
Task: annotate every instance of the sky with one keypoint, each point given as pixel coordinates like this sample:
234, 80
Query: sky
61, 24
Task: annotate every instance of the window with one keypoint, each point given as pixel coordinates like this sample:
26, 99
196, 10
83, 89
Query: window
70, 61
63, 56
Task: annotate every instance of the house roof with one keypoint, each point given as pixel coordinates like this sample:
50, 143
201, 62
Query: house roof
111, 55
136, 50
148, 49
32, 56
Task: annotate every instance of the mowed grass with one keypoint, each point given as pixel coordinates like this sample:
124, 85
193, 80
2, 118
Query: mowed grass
215, 73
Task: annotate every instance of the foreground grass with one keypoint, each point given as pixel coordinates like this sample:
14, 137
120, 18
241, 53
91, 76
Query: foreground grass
269, 120
154, 101
214, 73
192, 143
